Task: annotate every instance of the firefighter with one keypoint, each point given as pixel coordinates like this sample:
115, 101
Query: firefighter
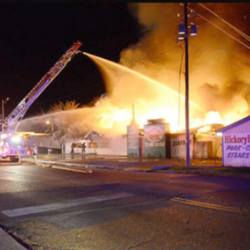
83, 148
72, 148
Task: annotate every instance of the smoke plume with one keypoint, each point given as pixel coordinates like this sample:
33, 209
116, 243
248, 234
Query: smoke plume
218, 70
218, 65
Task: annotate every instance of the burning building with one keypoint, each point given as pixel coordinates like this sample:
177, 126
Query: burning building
150, 75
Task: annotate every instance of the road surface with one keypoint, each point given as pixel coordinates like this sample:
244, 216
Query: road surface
51, 208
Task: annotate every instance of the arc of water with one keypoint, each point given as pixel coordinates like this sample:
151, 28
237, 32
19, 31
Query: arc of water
140, 75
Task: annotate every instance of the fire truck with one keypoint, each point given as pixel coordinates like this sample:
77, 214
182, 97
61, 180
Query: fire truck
14, 144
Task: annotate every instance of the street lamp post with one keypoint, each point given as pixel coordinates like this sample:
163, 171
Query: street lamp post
3, 115
50, 127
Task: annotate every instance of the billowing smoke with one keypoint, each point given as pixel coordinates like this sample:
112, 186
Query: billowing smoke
218, 65
219, 75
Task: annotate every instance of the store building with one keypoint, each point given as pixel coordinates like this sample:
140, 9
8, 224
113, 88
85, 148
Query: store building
236, 143
203, 143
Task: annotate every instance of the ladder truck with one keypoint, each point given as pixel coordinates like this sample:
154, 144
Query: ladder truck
13, 144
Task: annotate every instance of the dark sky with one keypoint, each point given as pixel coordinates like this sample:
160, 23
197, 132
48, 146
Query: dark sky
33, 36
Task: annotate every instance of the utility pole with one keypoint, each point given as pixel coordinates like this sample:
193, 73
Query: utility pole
186, 86
183, 34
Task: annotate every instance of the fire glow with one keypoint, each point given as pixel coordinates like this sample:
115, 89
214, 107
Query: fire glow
152, 100
152, 78
149, 77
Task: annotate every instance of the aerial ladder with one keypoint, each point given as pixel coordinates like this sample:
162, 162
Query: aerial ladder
12, 121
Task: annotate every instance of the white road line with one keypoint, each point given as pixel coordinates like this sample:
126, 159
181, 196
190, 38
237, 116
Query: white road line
54, 206
16, 179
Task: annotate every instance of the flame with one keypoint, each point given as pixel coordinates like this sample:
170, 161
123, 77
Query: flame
152, 78
213, 117
153, 100
113, 115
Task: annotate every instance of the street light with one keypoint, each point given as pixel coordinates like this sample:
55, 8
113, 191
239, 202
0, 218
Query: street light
3, 116
52, 126
3, 102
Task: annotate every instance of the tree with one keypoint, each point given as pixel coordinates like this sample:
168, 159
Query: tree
68, 105
60, 106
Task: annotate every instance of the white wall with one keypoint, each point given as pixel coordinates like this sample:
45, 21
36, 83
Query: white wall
178, 146
236, 148
43, 141
117, 146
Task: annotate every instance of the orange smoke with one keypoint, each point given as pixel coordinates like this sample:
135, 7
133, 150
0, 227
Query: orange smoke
152, 78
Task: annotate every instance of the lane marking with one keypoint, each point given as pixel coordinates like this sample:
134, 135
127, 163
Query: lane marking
55, 206
208, 205
16, 179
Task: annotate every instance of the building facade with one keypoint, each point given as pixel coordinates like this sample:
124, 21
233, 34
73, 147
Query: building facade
236, 143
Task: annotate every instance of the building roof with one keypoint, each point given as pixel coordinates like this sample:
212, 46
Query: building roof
91, 132
235, 124
191, 130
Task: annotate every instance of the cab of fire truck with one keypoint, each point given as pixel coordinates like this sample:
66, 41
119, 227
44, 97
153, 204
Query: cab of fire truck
13, 146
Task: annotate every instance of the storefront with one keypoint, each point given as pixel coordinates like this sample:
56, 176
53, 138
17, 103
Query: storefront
236, 143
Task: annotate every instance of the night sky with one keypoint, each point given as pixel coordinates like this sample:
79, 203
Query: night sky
35, 35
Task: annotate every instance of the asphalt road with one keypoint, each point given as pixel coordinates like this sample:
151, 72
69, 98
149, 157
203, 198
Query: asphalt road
52, 208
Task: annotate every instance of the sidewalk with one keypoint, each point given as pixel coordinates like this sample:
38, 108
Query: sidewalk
92, 162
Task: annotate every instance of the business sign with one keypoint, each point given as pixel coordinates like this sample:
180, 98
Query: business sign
236, 149
154, 135
133, 137
155, 140
133, 142
178, 146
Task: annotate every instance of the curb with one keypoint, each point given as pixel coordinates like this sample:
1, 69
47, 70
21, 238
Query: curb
8, 242
57, 164
90, 166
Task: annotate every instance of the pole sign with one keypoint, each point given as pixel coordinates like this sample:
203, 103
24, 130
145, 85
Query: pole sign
155, 140
133, 145
236, 149
154, 135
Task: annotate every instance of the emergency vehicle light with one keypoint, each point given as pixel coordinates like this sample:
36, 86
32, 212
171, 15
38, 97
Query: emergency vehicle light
16, 139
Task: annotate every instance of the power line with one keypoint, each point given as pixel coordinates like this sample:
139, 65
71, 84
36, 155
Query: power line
216, 26
223, 20
224, 32
182, 54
